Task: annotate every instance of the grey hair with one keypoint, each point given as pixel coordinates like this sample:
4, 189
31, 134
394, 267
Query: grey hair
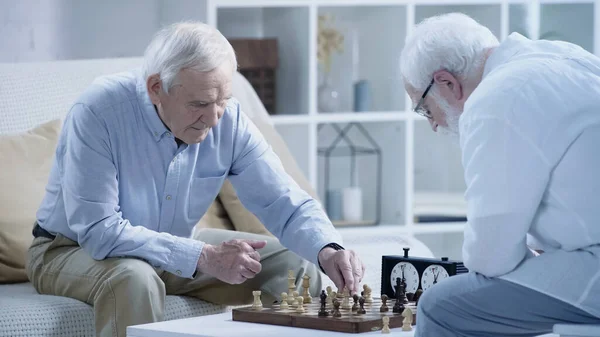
454, 42
186, 45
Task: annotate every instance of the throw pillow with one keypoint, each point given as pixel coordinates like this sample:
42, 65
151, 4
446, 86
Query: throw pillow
242, 219
25, 166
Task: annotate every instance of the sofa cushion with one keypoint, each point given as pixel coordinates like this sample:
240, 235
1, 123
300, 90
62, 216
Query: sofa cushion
22, 182
26, 313
242, 219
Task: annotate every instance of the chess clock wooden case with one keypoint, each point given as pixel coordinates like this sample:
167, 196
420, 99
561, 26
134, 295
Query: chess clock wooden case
417, 272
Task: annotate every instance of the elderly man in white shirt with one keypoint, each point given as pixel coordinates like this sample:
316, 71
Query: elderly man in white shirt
527, 117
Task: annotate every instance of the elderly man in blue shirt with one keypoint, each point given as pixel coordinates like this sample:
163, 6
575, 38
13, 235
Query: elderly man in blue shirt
141, 157
527, 115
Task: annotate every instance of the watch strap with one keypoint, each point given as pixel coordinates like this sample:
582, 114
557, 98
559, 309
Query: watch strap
329, 245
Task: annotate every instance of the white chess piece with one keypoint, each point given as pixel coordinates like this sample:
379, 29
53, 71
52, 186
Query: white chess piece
367, 291
300, 302
284, 304
306, 292
257, 305
329, 301
386, 324
408, 318
291, 283
346, 300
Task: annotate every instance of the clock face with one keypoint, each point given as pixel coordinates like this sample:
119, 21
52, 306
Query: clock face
407, 272
432, 275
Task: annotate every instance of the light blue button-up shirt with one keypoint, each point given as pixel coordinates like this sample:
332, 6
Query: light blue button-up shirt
121, 186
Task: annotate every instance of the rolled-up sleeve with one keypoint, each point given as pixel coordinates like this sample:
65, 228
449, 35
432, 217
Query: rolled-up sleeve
265, 189
91, 198
506, 177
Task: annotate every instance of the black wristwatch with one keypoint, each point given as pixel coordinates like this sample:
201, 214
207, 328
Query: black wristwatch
330, 245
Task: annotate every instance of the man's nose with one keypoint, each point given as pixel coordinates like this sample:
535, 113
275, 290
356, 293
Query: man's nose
211, 117
433, 124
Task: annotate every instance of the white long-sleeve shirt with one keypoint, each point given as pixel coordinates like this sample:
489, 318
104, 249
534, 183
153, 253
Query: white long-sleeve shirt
530, 139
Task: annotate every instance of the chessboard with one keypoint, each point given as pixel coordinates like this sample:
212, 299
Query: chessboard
333, 312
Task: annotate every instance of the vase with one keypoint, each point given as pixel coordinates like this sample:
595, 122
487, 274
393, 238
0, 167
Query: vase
329, 96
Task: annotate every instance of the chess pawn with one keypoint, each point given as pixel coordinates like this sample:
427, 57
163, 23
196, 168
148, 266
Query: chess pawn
336, 308
361, 310
417, 295
355, 304
408, 318
330, 296
384, 307
306, 285
386, 324
323, 309
300, 302
257, 305
284, 303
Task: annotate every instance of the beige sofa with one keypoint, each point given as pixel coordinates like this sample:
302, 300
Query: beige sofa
35, 97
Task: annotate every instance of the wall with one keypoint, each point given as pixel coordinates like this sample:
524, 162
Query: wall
44, 30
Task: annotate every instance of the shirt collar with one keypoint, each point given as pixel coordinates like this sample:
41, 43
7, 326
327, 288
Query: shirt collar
150, 115
508, 48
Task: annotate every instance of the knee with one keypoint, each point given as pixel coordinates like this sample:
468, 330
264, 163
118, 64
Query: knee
135, 278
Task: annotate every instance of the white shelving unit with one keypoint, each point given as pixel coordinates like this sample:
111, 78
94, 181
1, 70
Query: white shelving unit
415, 160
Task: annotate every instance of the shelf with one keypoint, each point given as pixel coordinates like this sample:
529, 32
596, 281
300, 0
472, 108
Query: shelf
360, 30
394, 228
417, 164
438, 227
343, 117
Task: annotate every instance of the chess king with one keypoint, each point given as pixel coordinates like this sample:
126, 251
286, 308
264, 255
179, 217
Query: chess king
526, 115
141, 157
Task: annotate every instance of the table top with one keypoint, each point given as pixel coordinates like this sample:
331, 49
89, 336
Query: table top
221, 325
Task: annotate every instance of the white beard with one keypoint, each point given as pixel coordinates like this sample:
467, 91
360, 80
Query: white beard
452, 119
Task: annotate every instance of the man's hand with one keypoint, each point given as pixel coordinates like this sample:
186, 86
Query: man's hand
233, 261
343, 267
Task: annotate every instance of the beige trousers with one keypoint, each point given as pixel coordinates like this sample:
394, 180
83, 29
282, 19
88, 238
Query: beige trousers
129, 291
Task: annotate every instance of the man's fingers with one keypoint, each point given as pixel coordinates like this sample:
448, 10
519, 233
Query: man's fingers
247, 273
346, 268
336, 278
253, 265
254, 255
255, 244
357, 269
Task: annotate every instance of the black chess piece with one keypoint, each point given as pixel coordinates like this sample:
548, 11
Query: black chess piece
355, 305
336, 308
384, 307
323, 310
362, 310
418, 294
400, 297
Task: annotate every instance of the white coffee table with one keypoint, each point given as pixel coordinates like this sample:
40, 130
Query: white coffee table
221, 325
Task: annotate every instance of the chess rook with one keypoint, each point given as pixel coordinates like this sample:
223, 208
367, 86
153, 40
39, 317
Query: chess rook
257, 304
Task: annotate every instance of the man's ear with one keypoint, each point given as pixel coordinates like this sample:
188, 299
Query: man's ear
448, 84
154, 86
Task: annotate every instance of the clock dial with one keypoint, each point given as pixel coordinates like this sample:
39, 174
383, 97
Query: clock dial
407, 272
432, 275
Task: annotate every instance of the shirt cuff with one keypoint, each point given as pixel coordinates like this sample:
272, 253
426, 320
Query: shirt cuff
183, 260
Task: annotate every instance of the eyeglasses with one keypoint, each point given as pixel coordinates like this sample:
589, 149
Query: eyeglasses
419, 108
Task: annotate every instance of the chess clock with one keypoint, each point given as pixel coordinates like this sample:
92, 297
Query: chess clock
415, 272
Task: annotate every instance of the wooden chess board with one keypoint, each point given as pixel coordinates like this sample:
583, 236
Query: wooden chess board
350, 322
